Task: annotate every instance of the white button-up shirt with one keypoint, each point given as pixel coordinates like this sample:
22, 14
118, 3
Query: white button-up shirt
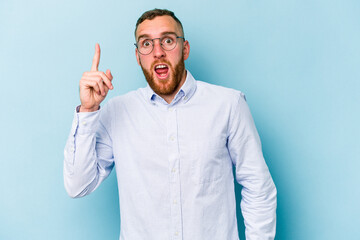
174, 163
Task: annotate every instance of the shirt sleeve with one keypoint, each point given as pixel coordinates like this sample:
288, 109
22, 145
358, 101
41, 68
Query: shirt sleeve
88, 154
258, 203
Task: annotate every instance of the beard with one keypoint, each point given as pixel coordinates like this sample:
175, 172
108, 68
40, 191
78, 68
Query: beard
170, 85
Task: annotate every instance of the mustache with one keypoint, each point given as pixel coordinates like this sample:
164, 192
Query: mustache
160, 61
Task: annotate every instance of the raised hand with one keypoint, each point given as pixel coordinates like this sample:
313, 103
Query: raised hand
94, 85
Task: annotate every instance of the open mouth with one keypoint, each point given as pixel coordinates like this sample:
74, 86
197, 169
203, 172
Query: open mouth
161, 70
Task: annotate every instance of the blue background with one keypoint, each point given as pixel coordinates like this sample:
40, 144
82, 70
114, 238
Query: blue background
296, 61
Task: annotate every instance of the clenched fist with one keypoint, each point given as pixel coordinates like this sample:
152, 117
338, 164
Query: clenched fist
94, 85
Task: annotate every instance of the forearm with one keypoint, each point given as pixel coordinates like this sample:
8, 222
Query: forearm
259, 195
81, 171
258, 206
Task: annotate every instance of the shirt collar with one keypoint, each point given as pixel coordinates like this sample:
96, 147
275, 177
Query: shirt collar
186, 91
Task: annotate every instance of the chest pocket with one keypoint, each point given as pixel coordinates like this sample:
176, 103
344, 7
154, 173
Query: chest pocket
209, 161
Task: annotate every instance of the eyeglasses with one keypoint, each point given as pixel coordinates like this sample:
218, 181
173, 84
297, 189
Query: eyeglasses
168, 42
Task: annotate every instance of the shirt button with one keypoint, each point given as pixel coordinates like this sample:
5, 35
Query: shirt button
72, 149
173, 170
185, 98
176, 233
172, 138
83, 122
174, 202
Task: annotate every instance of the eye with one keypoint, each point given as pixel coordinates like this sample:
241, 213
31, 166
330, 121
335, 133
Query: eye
146, 43
168, 40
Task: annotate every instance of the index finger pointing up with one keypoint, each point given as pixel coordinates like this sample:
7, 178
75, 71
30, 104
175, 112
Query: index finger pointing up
96, 59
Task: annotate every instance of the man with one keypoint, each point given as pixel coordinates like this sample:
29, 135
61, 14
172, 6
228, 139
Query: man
173, 145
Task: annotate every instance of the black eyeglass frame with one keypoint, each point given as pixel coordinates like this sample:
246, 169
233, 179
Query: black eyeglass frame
152, 41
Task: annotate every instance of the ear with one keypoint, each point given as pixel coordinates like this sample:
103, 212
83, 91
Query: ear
137, 56
186, 50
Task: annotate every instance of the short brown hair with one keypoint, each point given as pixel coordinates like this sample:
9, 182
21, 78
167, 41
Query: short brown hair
151, 14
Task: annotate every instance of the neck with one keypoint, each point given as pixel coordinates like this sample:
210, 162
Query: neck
168, 98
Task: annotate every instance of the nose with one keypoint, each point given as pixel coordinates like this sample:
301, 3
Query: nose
158, 51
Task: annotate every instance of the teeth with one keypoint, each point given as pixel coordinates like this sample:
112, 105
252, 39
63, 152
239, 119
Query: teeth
160, 66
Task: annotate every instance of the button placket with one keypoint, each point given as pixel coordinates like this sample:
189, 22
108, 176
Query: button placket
174, 173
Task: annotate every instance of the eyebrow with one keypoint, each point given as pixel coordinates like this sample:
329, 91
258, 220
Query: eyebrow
162, 34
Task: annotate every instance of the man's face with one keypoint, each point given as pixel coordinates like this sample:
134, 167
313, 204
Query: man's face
163, 70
